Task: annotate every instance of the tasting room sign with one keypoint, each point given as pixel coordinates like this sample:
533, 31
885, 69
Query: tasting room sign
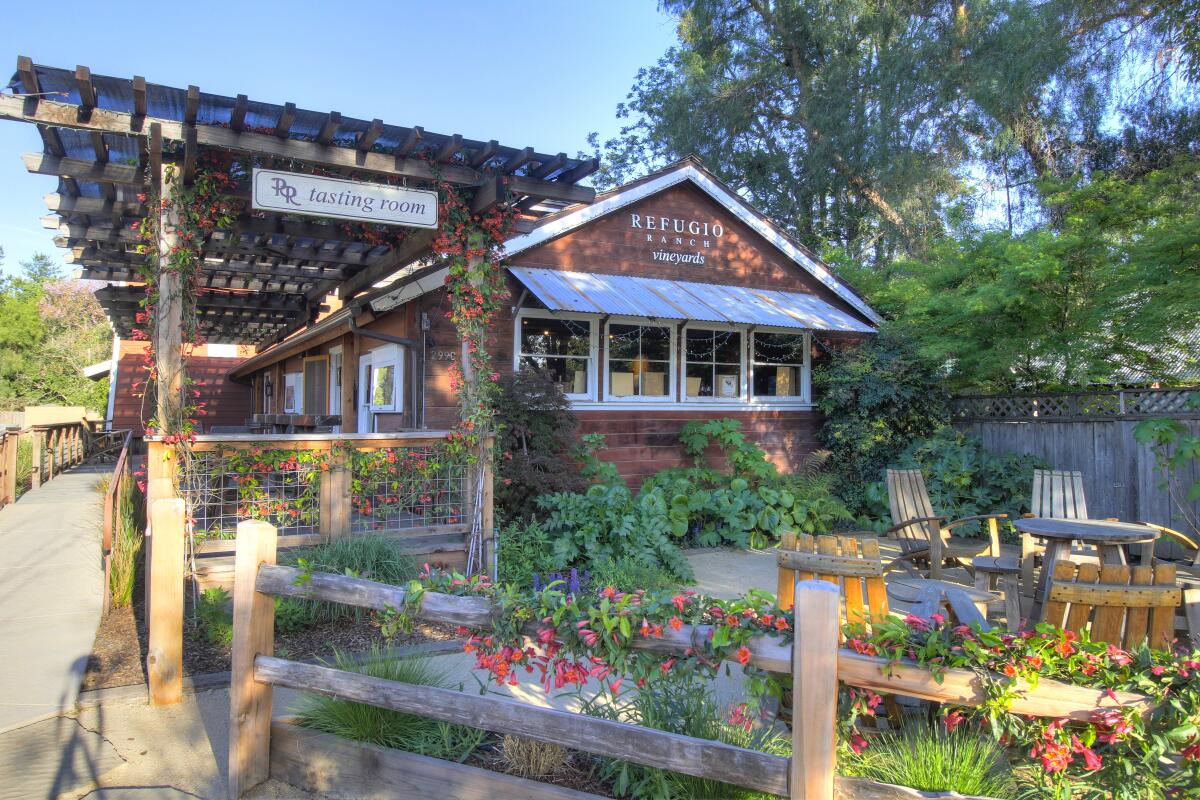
316, 196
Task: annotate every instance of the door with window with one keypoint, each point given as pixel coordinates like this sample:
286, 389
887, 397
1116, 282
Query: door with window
380, 385
335, 384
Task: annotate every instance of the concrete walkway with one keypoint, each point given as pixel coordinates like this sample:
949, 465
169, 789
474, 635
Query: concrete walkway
50, 594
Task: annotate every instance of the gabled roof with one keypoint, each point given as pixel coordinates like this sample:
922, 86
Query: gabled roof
689, 169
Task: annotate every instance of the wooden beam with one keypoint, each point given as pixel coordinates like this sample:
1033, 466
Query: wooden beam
550, 166
580, 171
410, 141
551, 190
329, 128
191, 105
164, 654
237, 119
51, 141
45, 164
191, 152
483, 154
286, 118
87, 92
331, 157
367, 139
29, 81
515, 162
452, 146
139, 97
489, 195
417, 243
99, 147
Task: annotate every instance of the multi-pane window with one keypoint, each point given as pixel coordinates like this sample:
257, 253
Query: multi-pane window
639, 360
713, 364
562, 348
779, 360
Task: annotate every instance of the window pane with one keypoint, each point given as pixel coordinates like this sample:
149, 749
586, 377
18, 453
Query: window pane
729, 382
654, 380
656, 343
699, 345
383, 385
699, 380
770, 381
727, 347
622, 379
562, 337
623, 341
779, 348
569, 373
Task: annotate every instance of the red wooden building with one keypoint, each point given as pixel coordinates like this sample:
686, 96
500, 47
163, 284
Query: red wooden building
665, 300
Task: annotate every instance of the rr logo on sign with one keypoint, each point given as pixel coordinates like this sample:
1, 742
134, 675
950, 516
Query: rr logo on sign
285, 190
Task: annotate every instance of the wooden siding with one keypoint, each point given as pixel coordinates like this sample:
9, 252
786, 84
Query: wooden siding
225, 402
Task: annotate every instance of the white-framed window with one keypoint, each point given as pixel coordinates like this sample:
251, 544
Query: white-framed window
561, 345
384, 372
714, 361
780, 366
639, 358
293, 393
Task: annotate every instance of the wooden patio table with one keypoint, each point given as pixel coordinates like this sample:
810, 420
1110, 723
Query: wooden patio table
1108, 537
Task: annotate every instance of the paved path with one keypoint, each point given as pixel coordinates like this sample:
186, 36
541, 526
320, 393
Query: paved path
50, 594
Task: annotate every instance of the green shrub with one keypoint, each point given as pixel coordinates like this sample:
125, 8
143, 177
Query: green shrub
682, 705
629, 575
877, 398
931, 759
525, 550
610, 522
292, 615
24, 465
363, 723
375, 557
126, 543
212, 614
535, 443
962, 477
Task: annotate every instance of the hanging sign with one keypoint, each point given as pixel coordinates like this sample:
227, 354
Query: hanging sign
316, 196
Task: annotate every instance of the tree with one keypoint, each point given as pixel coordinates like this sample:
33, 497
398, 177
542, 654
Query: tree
50, 328
857, 123
1096, 299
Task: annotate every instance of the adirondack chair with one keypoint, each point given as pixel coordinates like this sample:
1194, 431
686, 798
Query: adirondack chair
853, 564
924, 536
1125, 606
1188, 573
1057, 493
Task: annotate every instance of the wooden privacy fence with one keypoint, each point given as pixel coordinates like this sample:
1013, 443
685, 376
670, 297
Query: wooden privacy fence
1093, 433
313, 488
815, 662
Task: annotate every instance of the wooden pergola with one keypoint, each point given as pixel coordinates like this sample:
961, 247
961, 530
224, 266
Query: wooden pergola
269, 275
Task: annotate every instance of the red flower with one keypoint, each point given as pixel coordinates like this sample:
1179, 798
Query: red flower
676, 623
743, 655
953, 720
858, 743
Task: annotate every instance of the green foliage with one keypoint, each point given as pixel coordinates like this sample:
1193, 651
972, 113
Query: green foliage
876, 398
363, 723
1175, 448
212, 614
292, 615
126, 544
962, 477
595, 469
684, 705
931, 759
611, 522
629, 574
534, 443
375, 557
24, 465
525, 550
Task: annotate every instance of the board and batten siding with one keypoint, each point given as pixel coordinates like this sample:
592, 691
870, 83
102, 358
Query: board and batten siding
1119, 474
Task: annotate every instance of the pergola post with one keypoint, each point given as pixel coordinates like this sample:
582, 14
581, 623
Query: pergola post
168, 317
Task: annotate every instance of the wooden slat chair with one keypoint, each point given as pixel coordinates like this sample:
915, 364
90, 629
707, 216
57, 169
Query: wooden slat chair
1056, 493
924, 536
1125, 606
1188, 573
855, 565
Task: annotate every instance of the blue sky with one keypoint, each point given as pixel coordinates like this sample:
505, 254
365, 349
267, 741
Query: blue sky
539, 74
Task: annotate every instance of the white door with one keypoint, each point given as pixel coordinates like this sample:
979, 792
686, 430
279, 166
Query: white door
365, 420
335, 384
380, 384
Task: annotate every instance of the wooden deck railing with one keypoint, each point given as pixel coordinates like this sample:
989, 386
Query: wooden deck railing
114, 499
10, 439
815, 662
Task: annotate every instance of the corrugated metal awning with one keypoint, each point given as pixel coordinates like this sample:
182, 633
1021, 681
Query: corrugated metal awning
624, 295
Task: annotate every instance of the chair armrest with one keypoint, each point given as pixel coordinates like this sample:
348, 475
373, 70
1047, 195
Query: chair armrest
1178, 536
976, 518
914, 521
1029, 515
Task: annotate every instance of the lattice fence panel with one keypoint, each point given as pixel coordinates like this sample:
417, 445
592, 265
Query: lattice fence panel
396, 488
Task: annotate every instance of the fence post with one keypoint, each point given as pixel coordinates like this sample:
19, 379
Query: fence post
35, 476
814, 690
487, 515
335, 496
786, 583
12, 442
164, 658
253, 634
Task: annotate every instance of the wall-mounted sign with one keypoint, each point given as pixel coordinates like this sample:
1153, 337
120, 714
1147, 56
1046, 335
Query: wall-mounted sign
677, 232
316, 196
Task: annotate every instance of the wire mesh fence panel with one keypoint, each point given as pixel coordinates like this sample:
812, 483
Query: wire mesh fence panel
398, 488
223, 489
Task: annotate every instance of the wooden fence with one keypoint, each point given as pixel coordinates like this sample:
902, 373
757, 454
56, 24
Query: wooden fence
815, 662
439, 509
10, 441
1093, 433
